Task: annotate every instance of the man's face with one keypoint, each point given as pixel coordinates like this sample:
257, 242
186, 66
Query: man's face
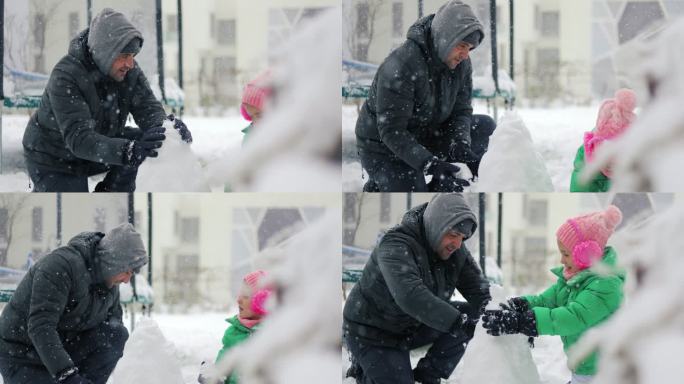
123, 277
458, 54
122, 64
451, 241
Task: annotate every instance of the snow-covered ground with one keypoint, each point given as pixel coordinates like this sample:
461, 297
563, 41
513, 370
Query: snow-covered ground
214, 138
556, 133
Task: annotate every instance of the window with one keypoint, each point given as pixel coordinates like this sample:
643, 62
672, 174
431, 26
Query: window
398, 20
190, 230
548, 61
4, 225
537, 213
277, 225
171, 28
74, 24
100, 219
549, 24
385, 207
39, 21
224, 68
362, 20
37, 224
212, 26
350, 208
637, 17
226, 32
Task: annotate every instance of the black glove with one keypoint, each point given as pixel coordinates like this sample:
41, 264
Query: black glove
461, 152
444, 177
182, 128
136, 151
499, 322
131, 133
118, 179
517, 304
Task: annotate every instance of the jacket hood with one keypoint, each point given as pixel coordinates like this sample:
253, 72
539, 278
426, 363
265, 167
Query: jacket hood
443, 213
453, 22
420, 34
121, 250
609, 260
110, 32
84, 242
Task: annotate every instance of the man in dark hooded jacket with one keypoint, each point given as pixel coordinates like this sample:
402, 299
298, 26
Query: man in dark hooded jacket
402, 300
63, 324
418, 117
80, 130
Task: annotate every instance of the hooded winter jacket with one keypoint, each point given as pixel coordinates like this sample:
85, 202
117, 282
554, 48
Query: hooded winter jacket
61, 296
417, 107
405, 285
569, 308
79, 127
600, 183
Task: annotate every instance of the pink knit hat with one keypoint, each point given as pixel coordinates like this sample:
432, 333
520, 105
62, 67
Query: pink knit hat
615, 115
255, 93
259, 293
586, 236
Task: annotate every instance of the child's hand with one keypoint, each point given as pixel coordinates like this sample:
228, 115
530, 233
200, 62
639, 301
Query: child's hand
517, 304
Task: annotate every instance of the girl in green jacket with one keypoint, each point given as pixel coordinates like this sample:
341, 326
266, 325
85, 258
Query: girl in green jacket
251, 303
581, 298
254, 98
615, 116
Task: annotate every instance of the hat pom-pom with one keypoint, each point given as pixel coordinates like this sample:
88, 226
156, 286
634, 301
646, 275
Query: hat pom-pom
625, 99
613, 216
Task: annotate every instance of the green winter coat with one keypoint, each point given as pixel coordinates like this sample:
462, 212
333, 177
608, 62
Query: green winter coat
246, 133
600, 182
570, 308
234, 335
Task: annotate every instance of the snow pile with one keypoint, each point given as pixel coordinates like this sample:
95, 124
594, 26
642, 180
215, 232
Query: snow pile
503, 359
146, 358
298, 143
643, 340
650, 154
512, 163
300, 340
176, 169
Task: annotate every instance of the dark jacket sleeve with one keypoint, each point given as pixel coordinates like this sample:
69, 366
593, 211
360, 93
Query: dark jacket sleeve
400, 272
147, 111
394, 108
115, 315
462, 113
50, 292
471, 283
78, 126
